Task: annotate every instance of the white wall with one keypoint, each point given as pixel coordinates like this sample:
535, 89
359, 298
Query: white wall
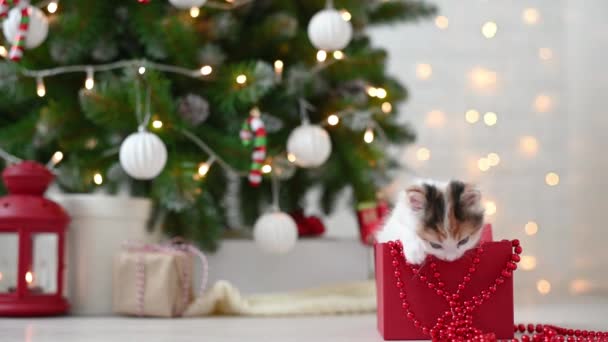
570, 244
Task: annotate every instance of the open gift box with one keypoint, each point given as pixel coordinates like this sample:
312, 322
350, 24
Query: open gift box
474, 291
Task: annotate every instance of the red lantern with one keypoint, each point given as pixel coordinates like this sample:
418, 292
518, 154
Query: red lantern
32, 240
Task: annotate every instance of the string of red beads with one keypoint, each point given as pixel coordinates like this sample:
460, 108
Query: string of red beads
548, 332
456, 324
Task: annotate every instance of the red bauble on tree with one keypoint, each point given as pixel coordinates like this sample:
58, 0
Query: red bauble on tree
308, 226
32, 240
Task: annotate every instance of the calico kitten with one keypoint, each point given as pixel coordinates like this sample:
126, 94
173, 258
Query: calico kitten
442, 219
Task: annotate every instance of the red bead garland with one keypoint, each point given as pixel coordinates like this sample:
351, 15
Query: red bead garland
456, 324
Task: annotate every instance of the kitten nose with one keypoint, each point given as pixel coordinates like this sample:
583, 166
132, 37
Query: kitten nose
452, 250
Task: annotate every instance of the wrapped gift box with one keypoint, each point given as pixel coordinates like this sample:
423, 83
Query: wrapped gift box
494, 315
152, 280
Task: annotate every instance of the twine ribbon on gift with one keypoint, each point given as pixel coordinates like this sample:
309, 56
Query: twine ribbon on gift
174, 246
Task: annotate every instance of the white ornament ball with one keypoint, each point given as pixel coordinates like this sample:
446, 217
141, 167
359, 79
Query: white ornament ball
37, 31
310, 145
143, 155
328, 31
186, 4
275, 233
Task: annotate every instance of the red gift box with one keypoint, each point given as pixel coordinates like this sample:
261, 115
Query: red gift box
494, 315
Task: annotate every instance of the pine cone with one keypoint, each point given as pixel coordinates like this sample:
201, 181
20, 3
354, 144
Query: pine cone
193, 109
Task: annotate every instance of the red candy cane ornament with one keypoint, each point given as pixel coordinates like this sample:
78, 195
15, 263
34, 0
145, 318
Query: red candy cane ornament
16, 52
5, 6
253, 129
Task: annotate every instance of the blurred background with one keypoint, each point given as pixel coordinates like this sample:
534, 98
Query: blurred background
511, 95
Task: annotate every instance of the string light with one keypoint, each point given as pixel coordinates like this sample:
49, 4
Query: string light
40, 88
291, 157
423, 154
321, 56
98, 178
528, 262
490, 118
368, 136
489, 29
194, 12
552, 179
123, 64
57, 157
338, 54
483, 164
543, 286
203, 169
530, 16
531, 228
157, 124
266, 168
435, 118
345, 15
424, 71
206, 70
241, 79
387, 107
545, 54
490, 208
543, 103
482, 78
528, 145
442, 22
89, 83
578, 286
493, 159
278, 66
333, 120
29, 277
381, 93
3, 51
372, 91
471, 116
52, 7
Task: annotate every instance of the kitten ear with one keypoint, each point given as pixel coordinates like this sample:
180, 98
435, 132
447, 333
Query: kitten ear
471, 198
416, 197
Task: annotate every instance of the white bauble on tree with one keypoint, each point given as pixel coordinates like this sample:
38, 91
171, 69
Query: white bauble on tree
186, 4
143, 155
275, 232
310, 145
327, 30
37, 31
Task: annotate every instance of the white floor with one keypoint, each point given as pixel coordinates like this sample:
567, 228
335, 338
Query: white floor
586, 313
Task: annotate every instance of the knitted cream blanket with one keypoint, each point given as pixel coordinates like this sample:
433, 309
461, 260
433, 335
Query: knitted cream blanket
224, 299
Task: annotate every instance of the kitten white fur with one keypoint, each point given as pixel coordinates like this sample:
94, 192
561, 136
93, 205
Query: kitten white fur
402, 224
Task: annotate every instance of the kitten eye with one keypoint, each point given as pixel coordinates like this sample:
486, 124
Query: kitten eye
435, 245
463, 241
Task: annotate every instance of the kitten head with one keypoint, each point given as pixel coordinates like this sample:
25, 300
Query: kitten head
450, 217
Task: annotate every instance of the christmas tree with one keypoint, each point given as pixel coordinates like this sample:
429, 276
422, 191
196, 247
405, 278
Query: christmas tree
193, 76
